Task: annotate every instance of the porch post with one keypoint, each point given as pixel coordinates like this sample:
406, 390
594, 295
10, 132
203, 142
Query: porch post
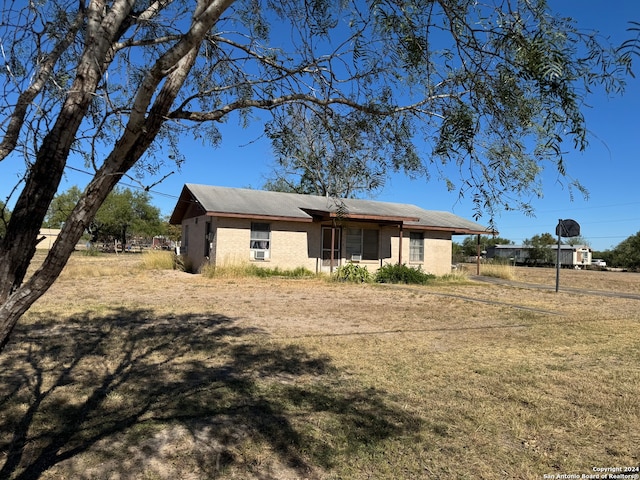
478, 256
333, 242
400, 247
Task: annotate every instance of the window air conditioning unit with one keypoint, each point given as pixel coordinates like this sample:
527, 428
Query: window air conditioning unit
258, 255
356, 258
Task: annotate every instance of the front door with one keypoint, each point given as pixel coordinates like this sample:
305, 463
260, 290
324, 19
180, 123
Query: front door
327, 234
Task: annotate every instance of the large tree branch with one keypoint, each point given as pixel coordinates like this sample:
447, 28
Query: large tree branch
271, 103
25, 99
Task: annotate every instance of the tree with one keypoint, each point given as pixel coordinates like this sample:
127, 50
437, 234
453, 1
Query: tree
61, 206
540, 250
115, 83
579, 240
125, 213
470, 244
329, 155
627, 253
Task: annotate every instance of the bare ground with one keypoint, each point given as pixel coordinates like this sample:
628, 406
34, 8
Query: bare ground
119, 372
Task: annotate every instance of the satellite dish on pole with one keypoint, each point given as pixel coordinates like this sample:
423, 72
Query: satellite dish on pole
565, 228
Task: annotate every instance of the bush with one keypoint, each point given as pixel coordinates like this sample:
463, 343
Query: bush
400, 273
351, 272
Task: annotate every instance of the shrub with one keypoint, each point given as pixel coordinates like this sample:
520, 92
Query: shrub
351, 272
401, 273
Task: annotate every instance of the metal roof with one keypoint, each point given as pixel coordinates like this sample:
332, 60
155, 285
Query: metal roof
525, 247
242, 202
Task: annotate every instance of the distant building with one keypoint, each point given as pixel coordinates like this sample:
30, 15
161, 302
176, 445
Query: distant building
570, 255
49, 236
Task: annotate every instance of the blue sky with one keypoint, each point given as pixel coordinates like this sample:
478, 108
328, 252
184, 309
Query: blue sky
609, 168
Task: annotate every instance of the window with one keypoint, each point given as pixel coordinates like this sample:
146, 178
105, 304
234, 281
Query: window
416, 247
362, 244
260, 240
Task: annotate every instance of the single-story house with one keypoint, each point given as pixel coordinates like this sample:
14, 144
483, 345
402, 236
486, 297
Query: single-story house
570, 255
224, 226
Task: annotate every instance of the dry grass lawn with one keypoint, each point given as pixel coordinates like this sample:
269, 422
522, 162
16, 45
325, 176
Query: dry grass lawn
120, 372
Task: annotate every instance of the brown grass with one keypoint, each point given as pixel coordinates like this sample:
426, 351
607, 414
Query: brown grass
160, 374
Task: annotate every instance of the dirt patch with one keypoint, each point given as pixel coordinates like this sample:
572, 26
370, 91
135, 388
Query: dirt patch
121, 372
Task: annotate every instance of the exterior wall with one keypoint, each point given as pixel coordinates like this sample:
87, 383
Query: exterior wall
193, 240
298, 244
292, 244
51, 235
437, 251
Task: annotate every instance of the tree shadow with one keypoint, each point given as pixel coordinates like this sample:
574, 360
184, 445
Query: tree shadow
132, 391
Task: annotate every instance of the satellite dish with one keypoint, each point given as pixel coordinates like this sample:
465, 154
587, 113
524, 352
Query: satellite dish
568, 228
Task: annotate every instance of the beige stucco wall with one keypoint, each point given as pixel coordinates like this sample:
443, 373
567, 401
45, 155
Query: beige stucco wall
437, 251
297, 244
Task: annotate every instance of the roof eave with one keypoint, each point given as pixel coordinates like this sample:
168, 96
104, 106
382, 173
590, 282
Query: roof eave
258, 216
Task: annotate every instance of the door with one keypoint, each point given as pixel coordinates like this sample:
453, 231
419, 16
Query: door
327, 234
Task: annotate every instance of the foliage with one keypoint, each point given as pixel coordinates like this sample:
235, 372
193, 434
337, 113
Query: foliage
539, 251
470, 244
328, 155
171, 232
401, 273
125, 213
352, 272
627, 253
61, 207
111, 91
579, 240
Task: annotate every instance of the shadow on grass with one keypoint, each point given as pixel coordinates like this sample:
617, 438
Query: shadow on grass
129, 394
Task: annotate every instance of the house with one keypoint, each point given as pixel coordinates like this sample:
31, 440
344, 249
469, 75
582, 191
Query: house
223, 226
570, 255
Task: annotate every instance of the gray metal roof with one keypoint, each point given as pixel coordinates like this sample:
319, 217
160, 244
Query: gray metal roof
259, 203
525, 247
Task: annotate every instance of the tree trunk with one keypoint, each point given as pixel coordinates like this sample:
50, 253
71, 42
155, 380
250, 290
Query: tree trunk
18, 246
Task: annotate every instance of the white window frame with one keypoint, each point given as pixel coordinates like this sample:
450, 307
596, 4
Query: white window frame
416, 247
259, 242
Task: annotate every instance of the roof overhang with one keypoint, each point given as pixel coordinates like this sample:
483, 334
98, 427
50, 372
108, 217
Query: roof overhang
452, 230
365, 217
256, 216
